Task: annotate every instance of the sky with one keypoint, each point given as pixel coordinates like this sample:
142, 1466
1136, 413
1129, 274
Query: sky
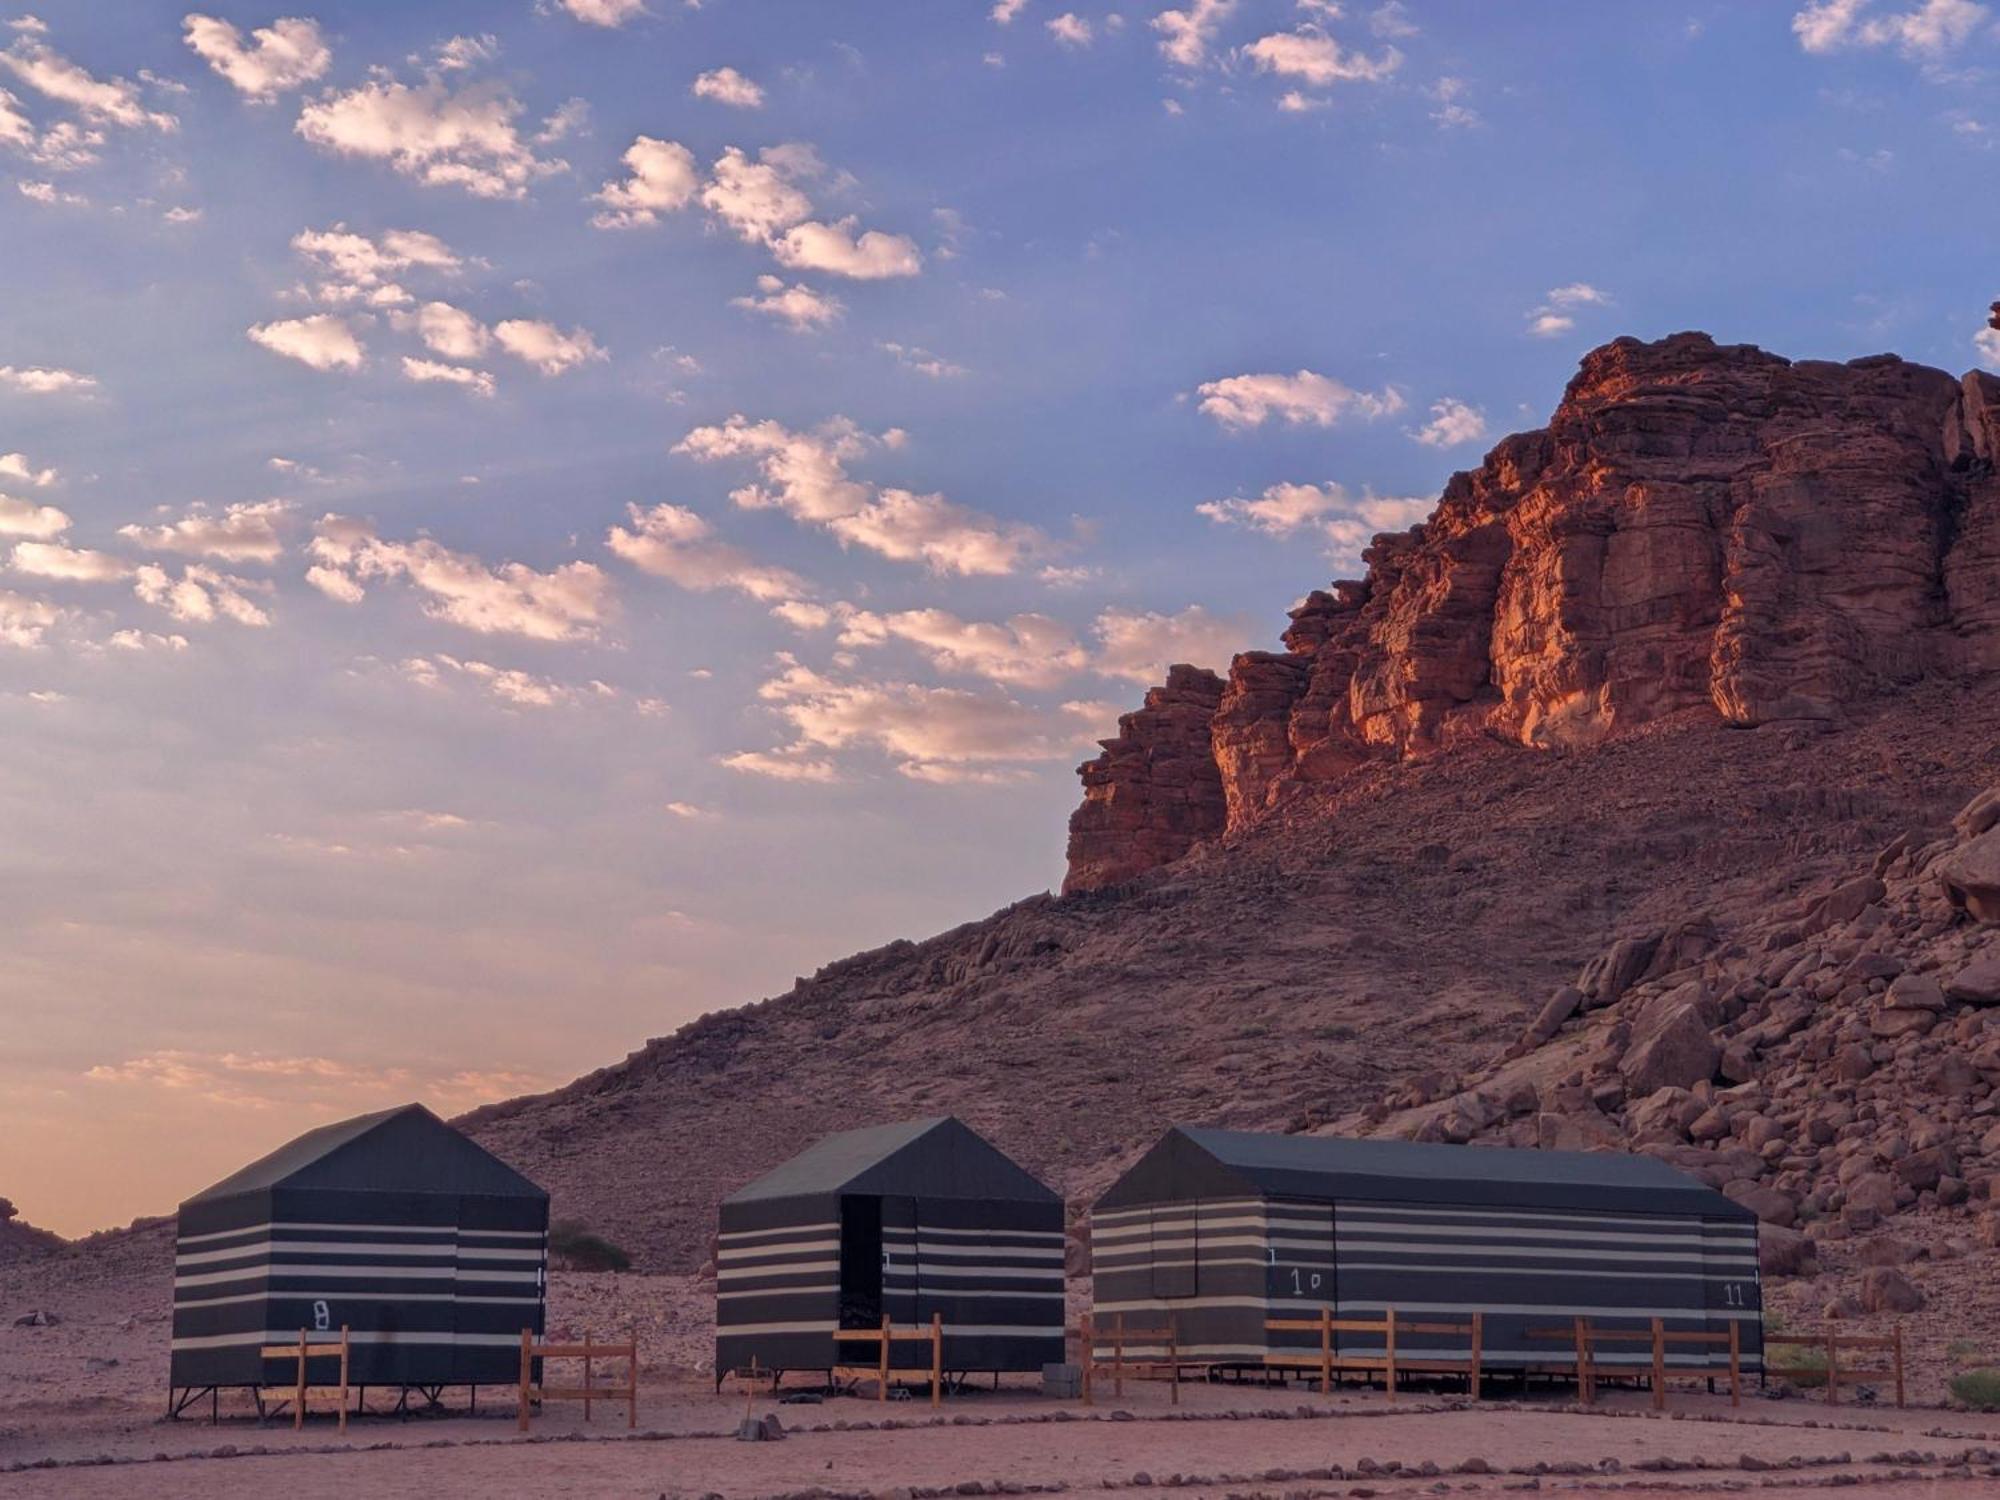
525, 522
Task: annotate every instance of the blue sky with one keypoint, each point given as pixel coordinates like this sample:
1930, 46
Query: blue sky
521, 523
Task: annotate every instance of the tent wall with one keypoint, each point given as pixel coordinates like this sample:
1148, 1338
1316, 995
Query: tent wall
777, 1284
434, 1288
992, 1269
1203, 1261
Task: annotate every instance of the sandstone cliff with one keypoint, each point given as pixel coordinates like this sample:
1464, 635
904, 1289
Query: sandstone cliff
1700, 527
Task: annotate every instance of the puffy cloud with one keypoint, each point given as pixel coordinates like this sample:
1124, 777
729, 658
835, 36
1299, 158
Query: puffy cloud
1070, 29
1451, 113
604, 12
835, 249
24, 518
1028, 650
806, 477
322, 341
1004, 11
146, 640
48, 193
430, 370
112, 101
39, 380
781, 765
1185, 34
672, 542
287, 54
759, 199
567, 603
922, 361
1316, 59
1452, 422
246, 532
1140, 647
199, 595
661, 178
447, 330
798, 306
445, 138
727, 86
25, 621
508, 684
1557, 314
545, 346
359, 266
1987, 342
1244, 401
16, 466
462, 52
70, 564
1344, 522
1932, 29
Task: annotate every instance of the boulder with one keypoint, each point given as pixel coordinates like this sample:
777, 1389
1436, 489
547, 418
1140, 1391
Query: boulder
1970, 876
1872, 1192
1785, 1252
1675, 1050
1978, 983
1914, 992
1885, 1289
1922, 1169
1893, 1025
1549, 1020
1767, 1203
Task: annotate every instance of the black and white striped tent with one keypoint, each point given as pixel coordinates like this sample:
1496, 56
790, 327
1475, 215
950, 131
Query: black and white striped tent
427, 1247
1226, 1229
898, 1221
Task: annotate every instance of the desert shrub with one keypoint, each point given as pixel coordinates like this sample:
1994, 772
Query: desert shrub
576, 1246
1978, 1389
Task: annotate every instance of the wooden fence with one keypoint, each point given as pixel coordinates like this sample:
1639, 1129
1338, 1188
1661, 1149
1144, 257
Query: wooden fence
1584, 1337
1091, 1335
589, 1351
1833, 1344
302, 1353
1393, 1364
888, 1335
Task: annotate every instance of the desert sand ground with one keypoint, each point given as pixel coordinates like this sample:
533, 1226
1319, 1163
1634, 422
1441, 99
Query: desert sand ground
81, 1404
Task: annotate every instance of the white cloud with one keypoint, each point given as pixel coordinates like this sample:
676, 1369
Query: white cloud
835, 249
246, 532
199, 595
1392, 19
463, 52
672, 542
922, 361
25, 621
798, 306
1004, 11
113, 101
545, 346
322, 341
16, 466
1987, 342
287, 54
39, 380
359, 267
1299, 399
1932, 29
1070, 29
727, 86
1344, 523
805, 476
662, 177
450, 331
445, 138
508, 684
781, 765
146, 640
1452, 422
1139, 647
689, 810
1452, 113
48, 193
604, 12
1556, 315
1027, 650
70, 564
569, 602
1318, 60
24, 518
759, 199
342, 587
1185, 34
432, 371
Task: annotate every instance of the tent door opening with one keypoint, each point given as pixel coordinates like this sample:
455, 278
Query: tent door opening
860, 1263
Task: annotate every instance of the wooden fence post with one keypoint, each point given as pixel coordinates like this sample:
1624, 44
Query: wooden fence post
1832, 1368
1898, 1351
1087, 1339
1174, 1357
1118, 1355
1478, 1348
1583, 1384
527, 1371
343, 1379
1735, 1363
1326, 1351
882, 1377
299, 1406
1389, 1348
631, 1379
937, 1359
1659, 1364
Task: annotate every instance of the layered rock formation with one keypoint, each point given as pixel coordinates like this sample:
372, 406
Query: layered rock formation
1699, 527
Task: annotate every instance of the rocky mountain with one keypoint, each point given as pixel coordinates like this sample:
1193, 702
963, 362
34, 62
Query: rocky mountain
1624, 716
23, 1241
1699, 527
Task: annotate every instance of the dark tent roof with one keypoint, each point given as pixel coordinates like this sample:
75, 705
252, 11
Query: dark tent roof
940, 1157
1192, 1160
403, 1150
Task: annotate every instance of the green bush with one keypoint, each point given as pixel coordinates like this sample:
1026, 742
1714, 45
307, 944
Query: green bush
576, 1247
1978, 1389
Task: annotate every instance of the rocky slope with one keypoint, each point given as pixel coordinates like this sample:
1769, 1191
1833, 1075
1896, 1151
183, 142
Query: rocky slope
1699, 527
22, 1241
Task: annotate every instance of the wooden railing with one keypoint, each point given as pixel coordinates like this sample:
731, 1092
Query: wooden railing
1584, 1337
888, 1335
589, 1351
1121, 1336
1833, 1344
1329, 1361
303, 1352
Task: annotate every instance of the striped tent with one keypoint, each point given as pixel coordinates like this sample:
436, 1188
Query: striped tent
1225, 1229
428, 1248
899, 1221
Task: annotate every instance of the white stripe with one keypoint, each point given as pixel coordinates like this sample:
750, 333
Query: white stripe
1552, 1216
1405, 1268
340, 1247
817, 1289
1345, 1235
795, 1268
400, 1336
997, 1273
1121, 1215
1345, 1248
407, 1273
778, 1230
443, 1229
790, 1247
1054, 1236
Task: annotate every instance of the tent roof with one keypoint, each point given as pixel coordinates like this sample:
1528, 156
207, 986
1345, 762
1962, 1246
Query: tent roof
1317, 1166
402, 1150
938, 1157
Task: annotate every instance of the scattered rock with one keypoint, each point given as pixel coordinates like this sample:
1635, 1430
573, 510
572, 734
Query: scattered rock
1885, 1289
